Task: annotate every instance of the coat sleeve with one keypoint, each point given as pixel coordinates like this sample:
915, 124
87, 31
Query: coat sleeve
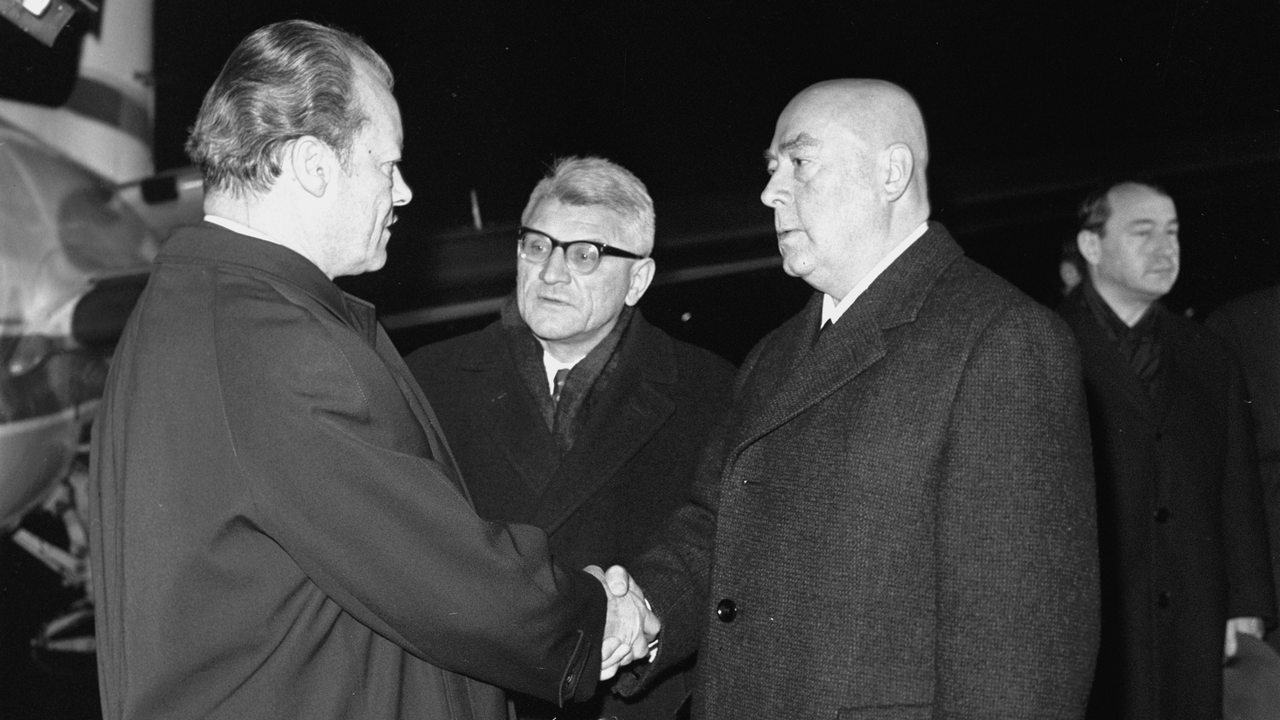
1250, 591
1017, 560
339, 471
675, 571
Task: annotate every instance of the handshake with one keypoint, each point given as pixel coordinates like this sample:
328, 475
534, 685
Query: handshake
630, 627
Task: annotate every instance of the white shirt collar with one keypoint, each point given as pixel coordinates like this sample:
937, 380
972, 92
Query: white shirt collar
551, 366
832, 311
236, 227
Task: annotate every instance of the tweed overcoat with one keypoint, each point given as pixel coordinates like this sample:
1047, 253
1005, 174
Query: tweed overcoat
1251, 328
1181, 527
897, 518
278, 530
630, 466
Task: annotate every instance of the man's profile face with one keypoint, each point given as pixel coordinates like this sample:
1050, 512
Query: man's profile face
821, 191
370, 187
1137, 252
565, 308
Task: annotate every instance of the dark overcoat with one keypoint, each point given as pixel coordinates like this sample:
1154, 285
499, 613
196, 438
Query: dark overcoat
278, 530
1181, 528
896, 521
629, 467
1251, 328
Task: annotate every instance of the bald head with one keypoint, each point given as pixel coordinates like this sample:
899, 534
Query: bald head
847, 179
880, 113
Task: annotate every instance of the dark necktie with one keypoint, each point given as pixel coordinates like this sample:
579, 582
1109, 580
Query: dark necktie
561, 375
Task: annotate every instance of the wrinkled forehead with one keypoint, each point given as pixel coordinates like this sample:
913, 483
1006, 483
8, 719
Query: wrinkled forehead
816, 120
568, 221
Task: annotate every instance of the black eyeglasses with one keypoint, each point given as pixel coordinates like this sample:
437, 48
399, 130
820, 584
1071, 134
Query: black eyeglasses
582, 256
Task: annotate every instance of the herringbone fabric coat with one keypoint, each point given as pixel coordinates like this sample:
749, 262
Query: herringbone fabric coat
896, 521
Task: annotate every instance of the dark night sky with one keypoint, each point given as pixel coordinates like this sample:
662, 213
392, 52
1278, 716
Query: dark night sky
1023, 100
686, 93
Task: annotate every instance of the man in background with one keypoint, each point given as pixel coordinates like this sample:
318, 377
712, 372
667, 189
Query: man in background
571, 412
278, 526
896, 518
1250, 326
1183, 545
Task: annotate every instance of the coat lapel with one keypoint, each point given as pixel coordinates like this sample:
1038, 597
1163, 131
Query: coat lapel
1112, 375
412, 392
793, 373
633, 408
526, 443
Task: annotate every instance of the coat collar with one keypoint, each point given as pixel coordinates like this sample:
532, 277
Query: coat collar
213, 244
643, 346
635, 406
790, 372
1106, 369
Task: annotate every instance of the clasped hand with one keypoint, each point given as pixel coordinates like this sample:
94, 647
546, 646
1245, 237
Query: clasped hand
630, 626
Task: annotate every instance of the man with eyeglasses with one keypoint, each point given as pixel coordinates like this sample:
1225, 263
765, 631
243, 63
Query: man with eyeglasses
571, 412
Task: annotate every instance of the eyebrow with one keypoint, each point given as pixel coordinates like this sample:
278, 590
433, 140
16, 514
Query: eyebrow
800, 140
1149, 224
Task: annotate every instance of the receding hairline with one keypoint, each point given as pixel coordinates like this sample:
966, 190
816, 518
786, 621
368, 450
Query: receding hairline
1136, 186
876, 110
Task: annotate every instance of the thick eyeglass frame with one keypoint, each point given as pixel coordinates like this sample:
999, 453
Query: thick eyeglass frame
602, 249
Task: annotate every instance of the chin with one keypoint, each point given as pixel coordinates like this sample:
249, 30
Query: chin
794, 268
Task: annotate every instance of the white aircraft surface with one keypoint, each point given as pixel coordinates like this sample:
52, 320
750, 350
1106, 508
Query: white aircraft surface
76, 241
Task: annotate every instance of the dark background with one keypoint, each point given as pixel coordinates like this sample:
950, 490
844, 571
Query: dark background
1028, 105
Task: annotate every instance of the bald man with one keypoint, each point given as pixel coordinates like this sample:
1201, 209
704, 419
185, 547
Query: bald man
896, 519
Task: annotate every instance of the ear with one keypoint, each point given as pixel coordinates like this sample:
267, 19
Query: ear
1090, 245
641, 276
312, 163
901, 164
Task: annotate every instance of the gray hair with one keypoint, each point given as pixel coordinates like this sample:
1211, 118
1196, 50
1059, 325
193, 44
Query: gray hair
597, 181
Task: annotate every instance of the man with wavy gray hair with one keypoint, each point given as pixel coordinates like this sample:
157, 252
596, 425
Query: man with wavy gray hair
571, 411
279, 527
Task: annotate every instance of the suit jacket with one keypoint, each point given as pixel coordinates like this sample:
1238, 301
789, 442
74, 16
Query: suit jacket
896, 521
1251, 328
630, 466
278, 529
1180, 519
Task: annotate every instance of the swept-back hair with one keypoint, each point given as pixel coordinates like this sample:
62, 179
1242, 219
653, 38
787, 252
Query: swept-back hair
1095, 209
596, 181
284, 81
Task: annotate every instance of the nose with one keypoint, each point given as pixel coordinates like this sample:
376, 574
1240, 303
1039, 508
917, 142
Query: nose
1167, 244
555, 269
400, 192
774, 193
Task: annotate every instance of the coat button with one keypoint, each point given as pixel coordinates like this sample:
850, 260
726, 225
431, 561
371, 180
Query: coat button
1161, 514
726, 610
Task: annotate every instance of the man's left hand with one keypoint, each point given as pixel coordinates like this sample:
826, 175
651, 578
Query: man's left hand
1247, 625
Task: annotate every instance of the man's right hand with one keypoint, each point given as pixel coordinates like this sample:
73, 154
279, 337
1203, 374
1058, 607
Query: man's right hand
630, 625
